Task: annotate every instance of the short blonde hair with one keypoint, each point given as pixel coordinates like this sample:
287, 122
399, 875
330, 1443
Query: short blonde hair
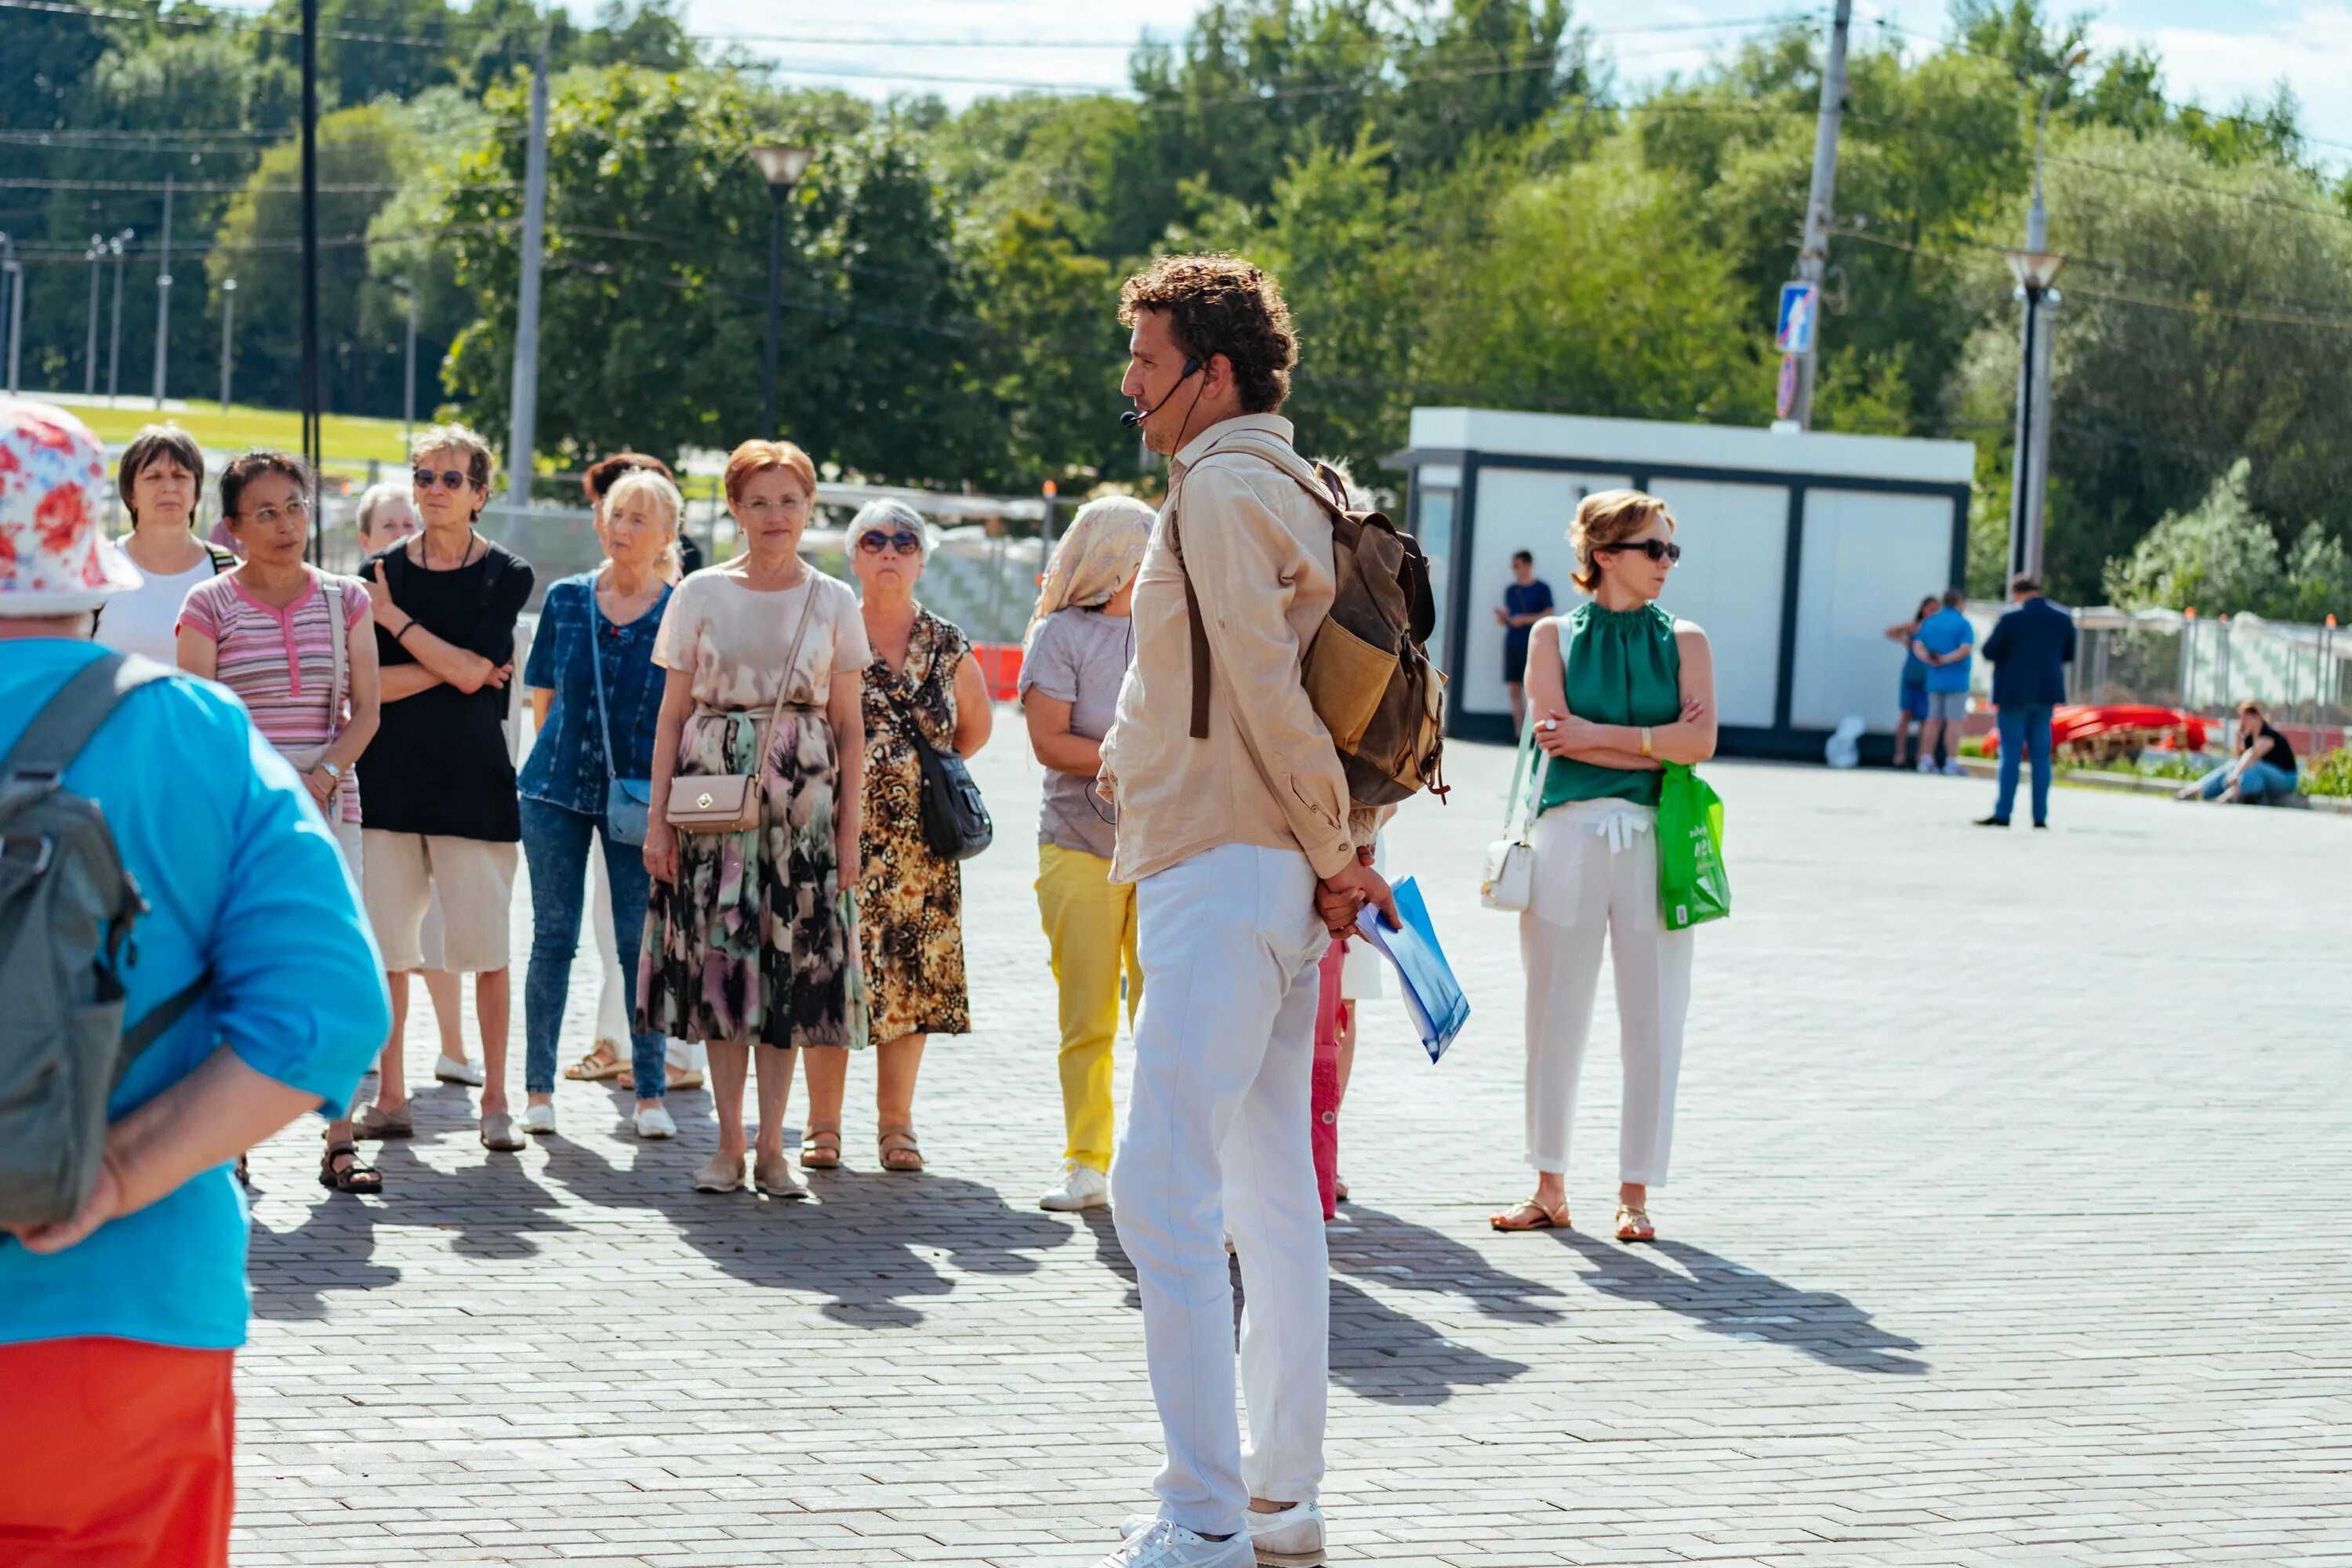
1609, 517
759, 456
648, 483
381, 494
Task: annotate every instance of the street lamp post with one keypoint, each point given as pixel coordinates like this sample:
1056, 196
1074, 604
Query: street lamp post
164, 296
228, 334
15, 271
408, 367
96, 257
114, 337
782, 167
2036, 270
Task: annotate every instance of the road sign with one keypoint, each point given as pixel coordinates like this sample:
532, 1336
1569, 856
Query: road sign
1788, 396
1792, 328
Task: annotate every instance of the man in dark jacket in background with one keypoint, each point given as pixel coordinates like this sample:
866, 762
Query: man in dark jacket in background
2028, 650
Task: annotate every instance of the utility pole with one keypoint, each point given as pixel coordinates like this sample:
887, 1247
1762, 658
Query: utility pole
15, 270
313, 405
523, 411
408, 367
1813, 253
90, 353
228, 335
114, 335
163, 296
2036, 269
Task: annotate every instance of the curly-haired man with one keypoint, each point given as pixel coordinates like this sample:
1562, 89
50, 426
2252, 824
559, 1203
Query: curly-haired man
1234, 826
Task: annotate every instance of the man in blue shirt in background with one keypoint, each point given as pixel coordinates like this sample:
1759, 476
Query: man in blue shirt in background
1945, 645
2030, 648
119, 1326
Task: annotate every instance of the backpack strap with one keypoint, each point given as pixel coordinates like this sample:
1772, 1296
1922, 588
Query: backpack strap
158, 1021
67, 720
223, 559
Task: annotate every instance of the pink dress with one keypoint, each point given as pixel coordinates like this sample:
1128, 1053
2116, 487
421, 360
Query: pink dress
281, 663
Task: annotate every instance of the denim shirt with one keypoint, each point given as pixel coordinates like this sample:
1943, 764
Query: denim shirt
566, 766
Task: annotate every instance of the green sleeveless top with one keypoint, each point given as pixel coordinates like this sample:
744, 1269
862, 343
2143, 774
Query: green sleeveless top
1623, 668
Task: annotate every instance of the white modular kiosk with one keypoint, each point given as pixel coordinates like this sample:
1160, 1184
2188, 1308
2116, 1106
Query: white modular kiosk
1799, 548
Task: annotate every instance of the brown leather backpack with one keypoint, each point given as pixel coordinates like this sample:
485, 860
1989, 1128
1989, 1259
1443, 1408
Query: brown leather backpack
1368, 673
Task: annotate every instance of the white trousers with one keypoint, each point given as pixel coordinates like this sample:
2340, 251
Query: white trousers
611, 1007
1596, 876
1216, 1141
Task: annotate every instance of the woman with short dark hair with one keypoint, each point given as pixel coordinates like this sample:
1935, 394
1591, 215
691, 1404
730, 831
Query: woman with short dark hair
159, 480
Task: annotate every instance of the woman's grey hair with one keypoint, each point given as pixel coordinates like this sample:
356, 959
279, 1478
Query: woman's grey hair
373, 501
887, 516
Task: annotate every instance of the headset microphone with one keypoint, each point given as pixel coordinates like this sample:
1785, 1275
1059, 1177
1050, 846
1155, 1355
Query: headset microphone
1134, 417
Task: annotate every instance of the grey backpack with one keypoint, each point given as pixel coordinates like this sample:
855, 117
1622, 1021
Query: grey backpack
67, 907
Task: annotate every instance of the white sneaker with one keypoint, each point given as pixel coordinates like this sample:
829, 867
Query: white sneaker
1291, 1539
1927, 765
1164, 1543
654, 1121
1083, 1187
449, 1069
538, 1119
1952, 769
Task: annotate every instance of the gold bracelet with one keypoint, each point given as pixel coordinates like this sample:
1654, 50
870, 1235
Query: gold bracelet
1645, 740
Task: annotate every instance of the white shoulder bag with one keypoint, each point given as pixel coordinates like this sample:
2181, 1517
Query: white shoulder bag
1507, 881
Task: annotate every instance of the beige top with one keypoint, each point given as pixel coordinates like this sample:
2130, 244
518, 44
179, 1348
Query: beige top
734, 639
1259, 548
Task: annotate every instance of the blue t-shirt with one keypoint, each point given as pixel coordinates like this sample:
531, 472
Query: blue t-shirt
1943, 632
1524, 599
566, 765
1914, 673
243, 880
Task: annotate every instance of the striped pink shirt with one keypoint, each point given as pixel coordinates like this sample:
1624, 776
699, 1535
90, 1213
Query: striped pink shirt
281, 662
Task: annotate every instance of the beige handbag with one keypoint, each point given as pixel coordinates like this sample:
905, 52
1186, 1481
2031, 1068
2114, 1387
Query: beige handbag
305, 759
1506, 880
730, 803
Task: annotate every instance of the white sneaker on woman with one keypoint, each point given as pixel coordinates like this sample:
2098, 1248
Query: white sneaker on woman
538, 1119
1164, 1543
1291, 1539
1083, 1187
654, 1121
449, 1069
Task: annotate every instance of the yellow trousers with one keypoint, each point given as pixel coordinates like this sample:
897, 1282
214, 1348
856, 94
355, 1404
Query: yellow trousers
1090, 921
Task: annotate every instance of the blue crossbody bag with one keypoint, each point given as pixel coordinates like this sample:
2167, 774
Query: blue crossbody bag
628, 803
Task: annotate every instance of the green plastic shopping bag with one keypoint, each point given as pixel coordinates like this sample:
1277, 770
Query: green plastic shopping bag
1692, 885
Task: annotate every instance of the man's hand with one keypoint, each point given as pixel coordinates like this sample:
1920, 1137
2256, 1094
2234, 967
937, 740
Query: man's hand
1338, 896
105, 1201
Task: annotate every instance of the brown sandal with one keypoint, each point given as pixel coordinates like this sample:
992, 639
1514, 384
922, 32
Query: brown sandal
899, 1150
821, 1149
1544, 1219
603, 1061
351, 1178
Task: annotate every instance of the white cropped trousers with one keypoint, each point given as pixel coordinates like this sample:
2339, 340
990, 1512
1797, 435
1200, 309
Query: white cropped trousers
1596, 877
1216, 1141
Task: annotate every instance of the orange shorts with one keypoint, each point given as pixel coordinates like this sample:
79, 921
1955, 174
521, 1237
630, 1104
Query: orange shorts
118, 1455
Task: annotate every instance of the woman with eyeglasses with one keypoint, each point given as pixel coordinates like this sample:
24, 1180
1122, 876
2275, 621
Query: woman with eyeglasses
923, 680
1081, 640
159, 480
1618, 688
747, 937
298, 647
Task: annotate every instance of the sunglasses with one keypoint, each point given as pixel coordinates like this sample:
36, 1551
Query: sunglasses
875, 544
1655, 549
452, 479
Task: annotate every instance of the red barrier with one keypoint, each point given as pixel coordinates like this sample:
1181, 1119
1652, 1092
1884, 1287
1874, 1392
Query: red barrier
1000, 664
2153, 725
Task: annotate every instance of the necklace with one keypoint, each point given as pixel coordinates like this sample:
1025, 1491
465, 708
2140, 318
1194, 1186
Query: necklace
425, 547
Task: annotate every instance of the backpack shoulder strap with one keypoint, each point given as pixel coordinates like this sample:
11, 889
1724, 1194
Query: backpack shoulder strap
223, 559
67, 720
159, 1019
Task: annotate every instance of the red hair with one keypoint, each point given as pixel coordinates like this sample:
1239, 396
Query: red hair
759, 456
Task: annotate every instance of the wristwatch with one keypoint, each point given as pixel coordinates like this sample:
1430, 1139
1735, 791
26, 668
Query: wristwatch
334, 770
1645, 740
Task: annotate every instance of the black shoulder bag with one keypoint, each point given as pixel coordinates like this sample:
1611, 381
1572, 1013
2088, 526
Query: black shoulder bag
956, 825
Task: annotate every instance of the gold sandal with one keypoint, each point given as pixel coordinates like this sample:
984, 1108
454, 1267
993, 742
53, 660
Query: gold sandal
1633, 1225
602, 1062
1555, 1217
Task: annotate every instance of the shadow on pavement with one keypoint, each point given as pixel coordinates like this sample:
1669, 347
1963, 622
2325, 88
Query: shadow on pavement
1409, 1257
1730, 1299
1386, 1355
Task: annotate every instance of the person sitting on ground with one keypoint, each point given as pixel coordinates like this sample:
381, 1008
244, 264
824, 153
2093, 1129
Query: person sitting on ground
1911, 694
119, 1326
1945, 644
2261, 773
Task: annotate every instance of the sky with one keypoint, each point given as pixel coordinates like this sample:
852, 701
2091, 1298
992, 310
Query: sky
2214, 51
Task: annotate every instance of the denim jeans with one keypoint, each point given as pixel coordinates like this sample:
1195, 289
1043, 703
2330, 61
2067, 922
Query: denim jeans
555, 844
2025, 728
2261, 781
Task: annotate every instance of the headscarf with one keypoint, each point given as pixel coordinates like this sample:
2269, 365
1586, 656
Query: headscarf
54, 560
1098, 556
886, 516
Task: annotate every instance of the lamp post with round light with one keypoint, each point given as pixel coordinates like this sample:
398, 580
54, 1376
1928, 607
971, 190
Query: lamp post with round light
782, 167
2036, 270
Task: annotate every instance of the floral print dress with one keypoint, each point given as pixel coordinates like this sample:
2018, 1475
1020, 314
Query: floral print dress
910, 901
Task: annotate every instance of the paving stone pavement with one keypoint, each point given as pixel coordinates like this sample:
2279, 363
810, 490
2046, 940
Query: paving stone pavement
2008, 1226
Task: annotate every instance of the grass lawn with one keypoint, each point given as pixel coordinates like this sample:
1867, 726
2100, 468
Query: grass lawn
348, 441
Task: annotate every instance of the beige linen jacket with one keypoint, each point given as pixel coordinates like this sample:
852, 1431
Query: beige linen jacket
1259, 552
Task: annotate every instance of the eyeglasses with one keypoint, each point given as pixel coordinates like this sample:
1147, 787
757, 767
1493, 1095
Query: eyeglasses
454, 478
876, 542
1655, 549
294, 511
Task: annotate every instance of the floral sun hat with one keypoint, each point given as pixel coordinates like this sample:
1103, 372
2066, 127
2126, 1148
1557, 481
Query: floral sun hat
54, 557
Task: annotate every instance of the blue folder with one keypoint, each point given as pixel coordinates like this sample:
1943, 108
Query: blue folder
1431, 995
